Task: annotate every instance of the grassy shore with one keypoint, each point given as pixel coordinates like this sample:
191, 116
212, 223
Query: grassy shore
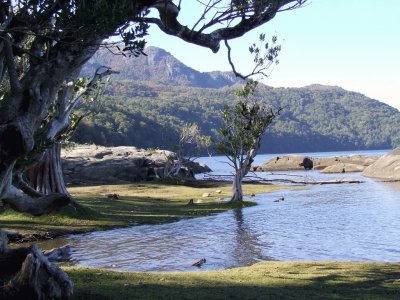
270, 280
137, 203
160, 202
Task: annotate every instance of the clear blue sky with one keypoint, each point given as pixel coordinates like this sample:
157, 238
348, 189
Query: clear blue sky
354, 44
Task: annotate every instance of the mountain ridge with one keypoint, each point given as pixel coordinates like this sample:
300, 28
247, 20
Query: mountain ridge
160, 66
149, 113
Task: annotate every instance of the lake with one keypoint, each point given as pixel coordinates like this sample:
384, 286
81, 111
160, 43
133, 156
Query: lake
345, 222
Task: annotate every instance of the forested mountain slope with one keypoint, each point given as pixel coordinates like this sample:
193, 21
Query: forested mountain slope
153, 96
314, 118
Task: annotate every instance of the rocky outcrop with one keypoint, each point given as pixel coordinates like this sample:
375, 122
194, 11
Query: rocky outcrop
343, 168
386, 167
352, 163
282, 163
90, 164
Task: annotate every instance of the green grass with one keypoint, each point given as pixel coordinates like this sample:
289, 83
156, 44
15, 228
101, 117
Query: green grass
271, 280
138, 203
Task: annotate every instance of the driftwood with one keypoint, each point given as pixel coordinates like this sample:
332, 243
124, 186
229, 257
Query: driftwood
25, 273
58, 254
284, 180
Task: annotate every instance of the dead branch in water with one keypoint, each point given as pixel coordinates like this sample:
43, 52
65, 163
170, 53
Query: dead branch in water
256, 179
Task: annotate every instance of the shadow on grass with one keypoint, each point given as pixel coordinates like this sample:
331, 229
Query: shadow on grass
366, 284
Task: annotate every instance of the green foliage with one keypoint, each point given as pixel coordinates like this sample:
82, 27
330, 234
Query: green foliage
264, 55
314, 118
244, 124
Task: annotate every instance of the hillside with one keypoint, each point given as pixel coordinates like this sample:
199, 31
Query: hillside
148, 106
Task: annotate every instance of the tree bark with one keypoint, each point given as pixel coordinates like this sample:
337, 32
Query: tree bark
237, 191
35, 206
46, 176
25, 273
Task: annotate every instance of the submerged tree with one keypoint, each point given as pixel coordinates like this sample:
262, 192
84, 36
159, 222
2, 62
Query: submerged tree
43, 45
241, 133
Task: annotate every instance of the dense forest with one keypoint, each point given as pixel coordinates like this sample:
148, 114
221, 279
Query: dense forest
148, 111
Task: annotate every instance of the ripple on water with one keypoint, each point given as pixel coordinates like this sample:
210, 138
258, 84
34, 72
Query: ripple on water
346, 222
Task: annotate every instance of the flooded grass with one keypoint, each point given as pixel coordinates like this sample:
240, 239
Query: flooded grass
136, 204
270, 280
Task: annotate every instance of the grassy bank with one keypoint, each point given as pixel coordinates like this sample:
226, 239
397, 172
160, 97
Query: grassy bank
271, 280
138, 203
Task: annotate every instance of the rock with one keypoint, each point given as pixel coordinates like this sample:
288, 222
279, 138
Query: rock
307, 163
284, 163
386, 167
361, 160
199, 262
298, 162
343, 168
197, 167
90, 164
206, 195
218, 191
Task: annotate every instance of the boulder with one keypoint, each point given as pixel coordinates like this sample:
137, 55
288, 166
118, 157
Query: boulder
307, 163
91, 164
351, 163
282, 163
361, 160
386, 167
343, 168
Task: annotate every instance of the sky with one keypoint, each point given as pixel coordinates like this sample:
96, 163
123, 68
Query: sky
354, 44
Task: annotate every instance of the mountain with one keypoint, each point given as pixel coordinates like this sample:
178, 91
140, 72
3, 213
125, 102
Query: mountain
158, 66
147, 103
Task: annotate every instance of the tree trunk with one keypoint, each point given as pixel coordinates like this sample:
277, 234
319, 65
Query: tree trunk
25, 273
46, 176
237, 191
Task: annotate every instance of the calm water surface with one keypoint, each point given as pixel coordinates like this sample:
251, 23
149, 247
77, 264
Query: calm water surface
346, 222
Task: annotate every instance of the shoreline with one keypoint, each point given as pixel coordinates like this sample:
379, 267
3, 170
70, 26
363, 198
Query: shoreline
137, 204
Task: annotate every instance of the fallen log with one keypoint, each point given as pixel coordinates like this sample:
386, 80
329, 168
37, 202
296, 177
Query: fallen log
25, 273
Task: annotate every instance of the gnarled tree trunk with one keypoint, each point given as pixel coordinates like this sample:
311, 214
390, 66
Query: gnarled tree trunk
46, 176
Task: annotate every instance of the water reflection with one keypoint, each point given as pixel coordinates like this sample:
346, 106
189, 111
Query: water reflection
347, 222
247, 249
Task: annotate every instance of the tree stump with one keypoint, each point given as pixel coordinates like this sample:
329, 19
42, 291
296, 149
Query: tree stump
25, 273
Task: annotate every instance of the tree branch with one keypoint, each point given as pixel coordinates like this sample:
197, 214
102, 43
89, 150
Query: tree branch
34, 206
169, 24
25, 187
58, 124
12, 69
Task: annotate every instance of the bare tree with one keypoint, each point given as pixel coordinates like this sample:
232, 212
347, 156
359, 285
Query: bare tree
190, 145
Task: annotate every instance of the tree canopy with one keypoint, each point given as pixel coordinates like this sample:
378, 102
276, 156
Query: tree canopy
45, 43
